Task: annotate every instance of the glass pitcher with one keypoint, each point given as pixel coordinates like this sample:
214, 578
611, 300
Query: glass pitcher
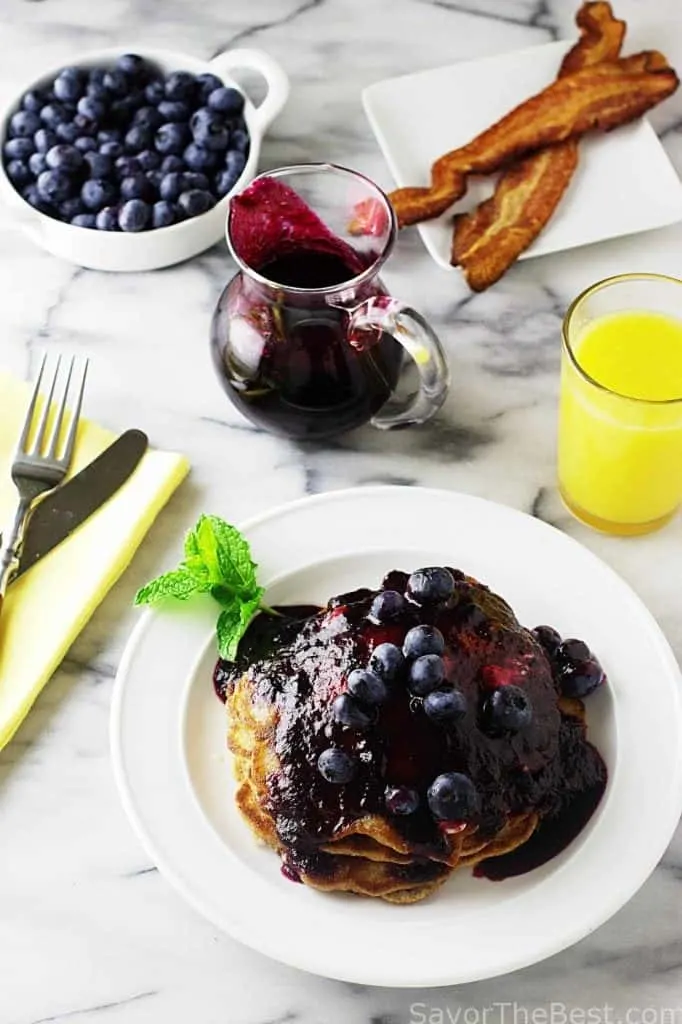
305, 338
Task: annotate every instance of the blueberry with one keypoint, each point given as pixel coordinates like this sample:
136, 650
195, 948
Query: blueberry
116, 82
548, 638
154, 178
86, 144
84, 125
194, 179
430, 586
445, 705
426, 673
122, 111
196, 202
138, 138
336, 766
44, 139
198, 158
68, 85
127, 166
173, 111
172, 163
386, 661
97, 92
180, 85
226, 100
367, 687
206, 83
32, 196
92, 108
170, 138
19, 173
54, 186
401, 800
507, 709
235, 162
239, 140
111, 149
37, 164
96, 76
136, 186
84, 220
171, 186
155, 92
107, 219
25, 123
64, 158
387, 605
20, 148
109, 135
134, 215
133, 65
423, 640
209, 130
33, 100
570, 651
149, 117
224, 182
453, 797
67, 132
347, 711
149, 160
70, 208
580, 679
99, 165
52, 114
98, 192
180, 214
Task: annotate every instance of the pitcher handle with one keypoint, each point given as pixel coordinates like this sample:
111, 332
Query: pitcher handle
420, 341
274, 75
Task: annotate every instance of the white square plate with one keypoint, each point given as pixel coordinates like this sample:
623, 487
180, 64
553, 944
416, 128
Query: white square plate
624, 183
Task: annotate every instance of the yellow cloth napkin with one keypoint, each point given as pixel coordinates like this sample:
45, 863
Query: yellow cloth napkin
46, 609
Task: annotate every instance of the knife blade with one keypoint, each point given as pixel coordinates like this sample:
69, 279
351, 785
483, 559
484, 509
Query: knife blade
58, 515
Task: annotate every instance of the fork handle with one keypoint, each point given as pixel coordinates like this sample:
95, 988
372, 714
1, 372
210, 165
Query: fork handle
12, 542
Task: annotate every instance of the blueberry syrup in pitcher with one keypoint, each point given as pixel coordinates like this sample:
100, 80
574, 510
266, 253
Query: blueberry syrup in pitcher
282, 347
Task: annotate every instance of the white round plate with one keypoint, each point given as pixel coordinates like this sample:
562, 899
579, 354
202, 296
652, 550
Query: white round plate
174, 774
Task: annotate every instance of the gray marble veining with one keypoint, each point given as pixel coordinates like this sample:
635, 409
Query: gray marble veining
89, 931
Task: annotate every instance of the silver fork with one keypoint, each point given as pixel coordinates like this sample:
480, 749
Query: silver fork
43, 466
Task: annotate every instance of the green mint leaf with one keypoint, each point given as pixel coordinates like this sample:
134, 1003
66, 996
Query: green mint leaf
237, 570
233, 622
179, 584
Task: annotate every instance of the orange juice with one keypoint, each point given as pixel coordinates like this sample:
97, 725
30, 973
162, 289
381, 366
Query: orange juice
620, 427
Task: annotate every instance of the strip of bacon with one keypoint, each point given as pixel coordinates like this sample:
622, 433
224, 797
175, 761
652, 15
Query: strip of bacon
488, 239
595, 98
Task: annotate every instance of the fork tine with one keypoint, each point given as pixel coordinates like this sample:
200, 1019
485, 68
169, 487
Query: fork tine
40, 432
75, 417
51, 452
26, 430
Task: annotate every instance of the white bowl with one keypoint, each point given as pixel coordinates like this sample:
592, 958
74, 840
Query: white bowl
160, 247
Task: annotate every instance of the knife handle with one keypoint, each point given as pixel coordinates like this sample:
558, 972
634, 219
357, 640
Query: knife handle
10, 548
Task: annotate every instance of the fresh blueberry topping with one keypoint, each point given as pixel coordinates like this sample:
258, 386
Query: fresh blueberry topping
507, 709
67, 132
149, 117
570, 651
426, 674
581, 678
170, 138
347, 711
116, 82
134, 215
206, 83
136, 186
225, 182
91, 108
194, 179
386, 661
70, 208
53, 186
86, 144
19, 173
149, 160
19, 148
84, 220
173, 112
387, 605
25, 123
99, 165
132, 65
154, 179
336, 766
108, 135
37, 163
126, 166
548, 638
401, 800
52, 114
445, 705
171, 164
171, 186
196, 202
235, 161
33, 100
367, 687
138, 138
98, 192
64, 158
226, 100
239, 140
68, 85
163, 214
180, 85
155, 92
209, 130
44, 139
422, 640
107, 219
111, 148
431, 586
32, 196
198, 158
453, 797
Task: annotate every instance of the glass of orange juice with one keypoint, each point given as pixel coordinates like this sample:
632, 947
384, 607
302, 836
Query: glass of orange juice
620, 415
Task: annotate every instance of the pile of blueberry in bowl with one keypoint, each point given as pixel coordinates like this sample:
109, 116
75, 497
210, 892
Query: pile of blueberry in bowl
135, 145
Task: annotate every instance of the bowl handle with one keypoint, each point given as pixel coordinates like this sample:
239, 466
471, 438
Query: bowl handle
275, 76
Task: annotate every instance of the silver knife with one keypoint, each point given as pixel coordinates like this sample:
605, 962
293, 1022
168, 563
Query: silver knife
58, 515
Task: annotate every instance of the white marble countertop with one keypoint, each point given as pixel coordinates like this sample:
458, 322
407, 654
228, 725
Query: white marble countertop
89, 932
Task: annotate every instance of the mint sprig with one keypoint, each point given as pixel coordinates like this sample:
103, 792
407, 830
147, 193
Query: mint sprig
217, 561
